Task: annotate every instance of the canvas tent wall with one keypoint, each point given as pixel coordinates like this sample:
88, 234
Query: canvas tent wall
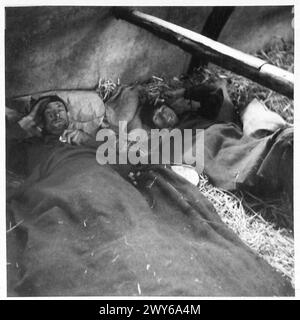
72, 47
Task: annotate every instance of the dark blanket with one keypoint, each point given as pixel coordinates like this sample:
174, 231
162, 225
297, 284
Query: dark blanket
86, 229
233, 160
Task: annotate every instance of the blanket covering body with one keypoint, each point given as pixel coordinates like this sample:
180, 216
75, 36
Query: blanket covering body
86, 230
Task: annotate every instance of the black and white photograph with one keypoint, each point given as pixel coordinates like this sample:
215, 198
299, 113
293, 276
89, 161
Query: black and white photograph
149, 150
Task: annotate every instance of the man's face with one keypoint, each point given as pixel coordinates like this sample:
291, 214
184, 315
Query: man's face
56, 118
165, 117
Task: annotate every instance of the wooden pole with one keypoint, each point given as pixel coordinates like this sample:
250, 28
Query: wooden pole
231, 59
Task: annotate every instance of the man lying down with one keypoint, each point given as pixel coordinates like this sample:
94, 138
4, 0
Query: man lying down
80, 228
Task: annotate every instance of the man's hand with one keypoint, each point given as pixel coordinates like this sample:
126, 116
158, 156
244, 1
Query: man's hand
173, 95
29, 124
12, 115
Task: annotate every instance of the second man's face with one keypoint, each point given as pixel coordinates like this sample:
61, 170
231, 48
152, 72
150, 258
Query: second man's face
165, 117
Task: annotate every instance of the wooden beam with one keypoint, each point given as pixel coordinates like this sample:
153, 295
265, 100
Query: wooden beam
224, 56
